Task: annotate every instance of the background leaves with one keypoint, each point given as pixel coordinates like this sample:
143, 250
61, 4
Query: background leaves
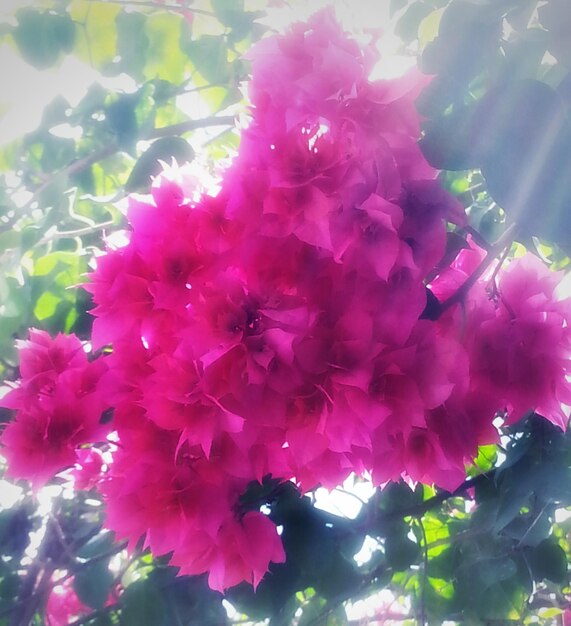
496, 117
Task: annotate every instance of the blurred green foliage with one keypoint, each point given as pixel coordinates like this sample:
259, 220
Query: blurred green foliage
496, 119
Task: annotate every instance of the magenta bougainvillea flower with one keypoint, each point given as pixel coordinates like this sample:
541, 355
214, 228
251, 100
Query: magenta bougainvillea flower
59, 407
64, 606
523, 353
278, 328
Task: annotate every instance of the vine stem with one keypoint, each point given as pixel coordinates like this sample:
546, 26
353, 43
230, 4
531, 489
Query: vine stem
424, 580
185, 127
160, 5
418, 510
462, 291
79, 232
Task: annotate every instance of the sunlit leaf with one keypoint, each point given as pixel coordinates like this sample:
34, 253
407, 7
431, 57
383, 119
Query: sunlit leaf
165, 59
97, 36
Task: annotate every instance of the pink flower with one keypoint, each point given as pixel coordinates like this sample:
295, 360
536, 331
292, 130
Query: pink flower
88, 469
176, 398
523, 354
120, 288
63, 606
41, 441
41, 354
59, 406
42, 361
368, 235
275, 328
241, 550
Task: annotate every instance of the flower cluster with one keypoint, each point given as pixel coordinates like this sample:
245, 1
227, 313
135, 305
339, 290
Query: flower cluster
59, 407
63, 606
282, 327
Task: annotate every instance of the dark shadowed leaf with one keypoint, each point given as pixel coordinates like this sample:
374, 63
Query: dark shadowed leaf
93, 582
148, 165
43, 37
142, 605
548, 560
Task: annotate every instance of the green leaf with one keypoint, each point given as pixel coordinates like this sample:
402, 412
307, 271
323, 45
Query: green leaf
57, 152
273, 595
165, 59
452, 141
55, 112
316, 612
93, 582
511, 503
142, 605
399, 497
530, 529
96, 546
163, 149
54, 194
487, 455
92, 102
401, 552
407, 26
488, 585
467, 42
226, 10
10, 240
43, 37
396, 5
494, 570
15, 526
9, 587
231, 13
46, 305
442, 565
209, 56
122, 120
428, 27
548, 560
61, 260
97, 39
13, 298
132, 43
9, 154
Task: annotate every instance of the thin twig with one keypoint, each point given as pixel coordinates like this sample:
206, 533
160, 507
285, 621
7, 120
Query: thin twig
85, 619
78, 232
87, 161
53, 521
420, 509
185, 127
155, 5
495, 249
498, 267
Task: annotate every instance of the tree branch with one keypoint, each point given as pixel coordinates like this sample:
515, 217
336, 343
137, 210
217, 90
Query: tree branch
420, 509
79, 232
166, 131
495, 249
185, 127
85, 619
157, 5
